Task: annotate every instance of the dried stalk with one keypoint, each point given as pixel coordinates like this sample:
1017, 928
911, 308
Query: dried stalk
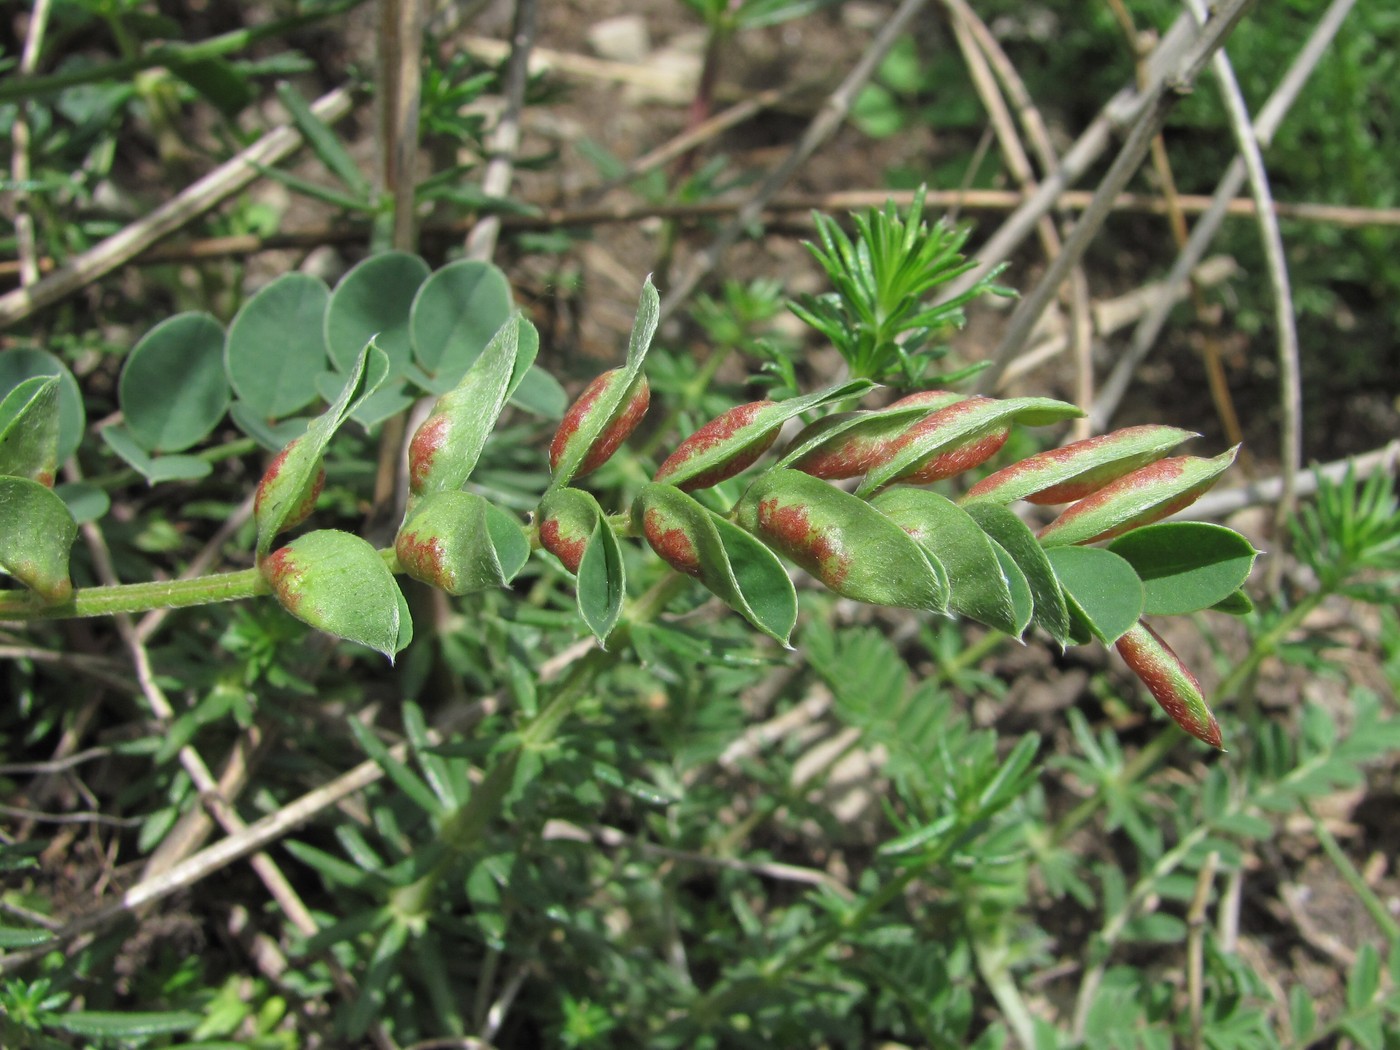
1290, 383
1265, 125
1130, 156
822, 127
223, 182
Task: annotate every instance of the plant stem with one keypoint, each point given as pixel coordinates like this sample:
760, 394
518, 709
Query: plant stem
1374, 907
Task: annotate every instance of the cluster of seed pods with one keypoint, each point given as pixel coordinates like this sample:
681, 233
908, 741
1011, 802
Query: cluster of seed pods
1113, 484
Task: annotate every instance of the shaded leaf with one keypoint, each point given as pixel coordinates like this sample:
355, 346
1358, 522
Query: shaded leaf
173, 389
277, 346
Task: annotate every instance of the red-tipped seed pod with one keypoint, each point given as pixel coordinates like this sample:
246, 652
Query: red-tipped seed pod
577, 422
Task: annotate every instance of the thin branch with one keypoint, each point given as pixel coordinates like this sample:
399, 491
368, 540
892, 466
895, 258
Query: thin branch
830, 117
1270, 116
1224, 502
779, 210
1123, 109
505, 140
1290, 383
223, 182
1129, 159
71, 818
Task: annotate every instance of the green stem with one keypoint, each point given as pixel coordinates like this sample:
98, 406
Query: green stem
137, 597
1377, 910
153, 594
166, 55
231, 450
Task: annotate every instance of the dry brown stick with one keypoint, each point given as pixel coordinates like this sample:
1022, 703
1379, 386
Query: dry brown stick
985, 82
25, 246
505, 138
220, 184
831, 115
1290, 381
1195, 947
1265, 125
686, 141
780, 209
1124, 109
1161, 163
1161, 98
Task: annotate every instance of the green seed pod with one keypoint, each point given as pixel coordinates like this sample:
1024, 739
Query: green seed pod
566, 519
1148, 494
842, 541
577, 424
302, 502
1070, 473
848, 444
1170, 682
727, 445
459, 542
969, 451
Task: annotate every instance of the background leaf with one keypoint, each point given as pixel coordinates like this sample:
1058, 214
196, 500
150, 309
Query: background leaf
277, 345
455, 314
25, 362
173, 389
374, 300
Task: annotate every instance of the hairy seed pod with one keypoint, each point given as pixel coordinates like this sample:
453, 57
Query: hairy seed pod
946, 463
1170, 682
728, 440
566, 519
1148, 494
862, 439
273, 479
1079, 469
577, 422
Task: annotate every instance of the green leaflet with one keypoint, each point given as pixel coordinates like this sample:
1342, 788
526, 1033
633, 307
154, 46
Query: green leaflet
1049, 610
276, 346
980, 581
338, 583
1186, 566
706, 453
1148, 494
445, 450
870, 426
1103, 592
455, 314
173, 389
1078, 469
461, 543
735, 567
602, 581
29, 430
842, 541
372, 301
